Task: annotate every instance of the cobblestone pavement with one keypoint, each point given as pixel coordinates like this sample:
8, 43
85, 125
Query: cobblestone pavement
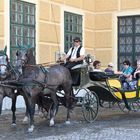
111, 124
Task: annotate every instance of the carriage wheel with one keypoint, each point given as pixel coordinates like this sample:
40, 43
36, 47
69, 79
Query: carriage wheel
106, 104
90, 106
123, 107
135, 106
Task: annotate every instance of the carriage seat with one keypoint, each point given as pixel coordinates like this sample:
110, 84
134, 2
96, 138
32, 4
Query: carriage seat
97, 76
76, 73
79, 66
101, 76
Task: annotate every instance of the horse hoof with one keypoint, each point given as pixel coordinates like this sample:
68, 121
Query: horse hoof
13, 124
67, 122
31, 129
51, 123
25, 120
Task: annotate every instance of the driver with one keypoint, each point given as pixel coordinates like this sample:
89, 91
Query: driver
75, 55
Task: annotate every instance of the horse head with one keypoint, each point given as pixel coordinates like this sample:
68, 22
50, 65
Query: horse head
24, 57
21, 57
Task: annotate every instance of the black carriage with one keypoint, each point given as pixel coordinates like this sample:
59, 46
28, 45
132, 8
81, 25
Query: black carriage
91, 90
105, 88
84, 97
109, 89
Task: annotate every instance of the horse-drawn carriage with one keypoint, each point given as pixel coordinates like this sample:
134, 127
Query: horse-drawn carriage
110, 89
39, 85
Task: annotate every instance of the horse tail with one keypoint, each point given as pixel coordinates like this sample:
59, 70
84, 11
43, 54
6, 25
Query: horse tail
72, 99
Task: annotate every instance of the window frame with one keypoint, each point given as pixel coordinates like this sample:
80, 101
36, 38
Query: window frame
132, 35
68, 40
23, 26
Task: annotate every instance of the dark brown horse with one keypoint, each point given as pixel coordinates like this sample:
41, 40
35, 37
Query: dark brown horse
39, 81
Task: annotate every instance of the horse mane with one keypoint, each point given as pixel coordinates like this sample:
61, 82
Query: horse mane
31, 56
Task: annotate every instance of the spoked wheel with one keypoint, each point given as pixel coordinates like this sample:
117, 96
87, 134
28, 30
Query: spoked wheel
105, 104
90, 106
135, 106
123, 107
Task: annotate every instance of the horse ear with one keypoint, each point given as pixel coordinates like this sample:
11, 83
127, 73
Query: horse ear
30, 51
33, 51
5, 50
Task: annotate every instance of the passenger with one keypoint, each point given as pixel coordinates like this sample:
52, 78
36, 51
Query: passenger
109, 69
126, 74
97, 74
136, 76
75, 55
97, 66
137, 71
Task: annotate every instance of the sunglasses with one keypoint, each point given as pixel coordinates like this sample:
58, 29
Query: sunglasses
76, 41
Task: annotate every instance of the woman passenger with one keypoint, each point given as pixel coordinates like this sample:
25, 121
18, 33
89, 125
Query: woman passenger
97, 66
136, 76
126, 74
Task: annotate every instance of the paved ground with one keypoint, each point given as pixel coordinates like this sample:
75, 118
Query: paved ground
111, 124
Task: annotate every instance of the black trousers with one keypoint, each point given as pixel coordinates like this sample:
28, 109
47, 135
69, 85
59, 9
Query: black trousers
69, 65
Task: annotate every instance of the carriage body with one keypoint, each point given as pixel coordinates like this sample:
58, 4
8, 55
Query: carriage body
85, 99
109, 89
89, 90
106, 88
100, 86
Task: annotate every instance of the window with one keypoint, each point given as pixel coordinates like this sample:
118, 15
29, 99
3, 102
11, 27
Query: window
128, 39
22, 26
72, 28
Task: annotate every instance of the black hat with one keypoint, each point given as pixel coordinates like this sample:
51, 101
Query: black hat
77, 39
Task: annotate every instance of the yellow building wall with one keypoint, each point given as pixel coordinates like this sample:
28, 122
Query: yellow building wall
50, 28
74, 3
106, 5
129, 4
104, 27
104, 10
1, 5
98, 26
97, 29
1, 24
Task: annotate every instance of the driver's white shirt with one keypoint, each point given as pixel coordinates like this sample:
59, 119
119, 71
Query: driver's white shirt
74, 53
